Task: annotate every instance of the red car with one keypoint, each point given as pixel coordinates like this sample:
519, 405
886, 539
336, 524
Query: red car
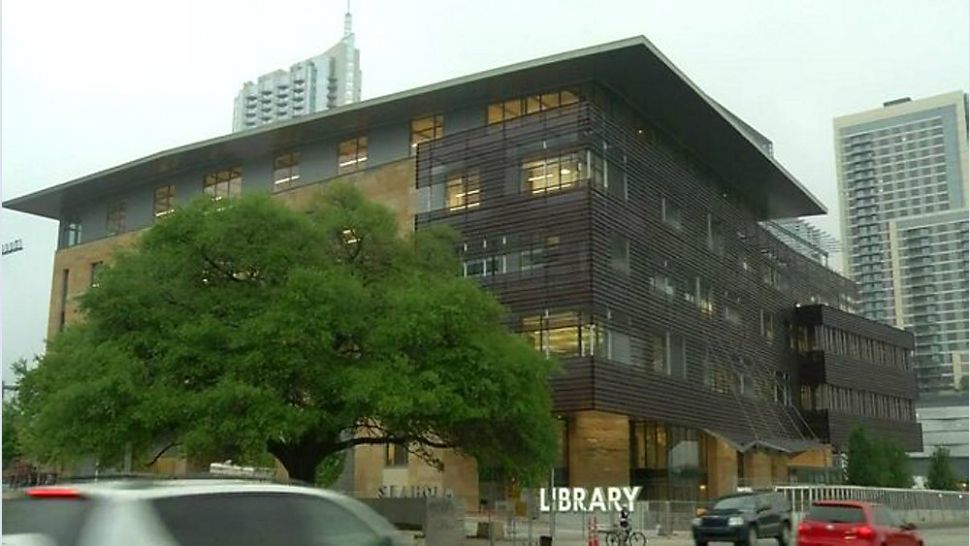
836, 523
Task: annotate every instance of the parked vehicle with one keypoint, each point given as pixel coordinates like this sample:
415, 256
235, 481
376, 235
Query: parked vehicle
834, 523
189, 513
744, 518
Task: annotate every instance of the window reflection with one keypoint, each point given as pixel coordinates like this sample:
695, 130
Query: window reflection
164, 200
463, 192
521, 106
222, 184
286, 170
668, 461
352, 155
116, 217
426, 129
558, 334
555, 173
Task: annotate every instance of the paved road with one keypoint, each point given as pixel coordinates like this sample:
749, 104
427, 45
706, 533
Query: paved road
950, 536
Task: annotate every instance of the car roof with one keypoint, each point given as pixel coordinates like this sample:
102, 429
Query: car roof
150, 489
855, 504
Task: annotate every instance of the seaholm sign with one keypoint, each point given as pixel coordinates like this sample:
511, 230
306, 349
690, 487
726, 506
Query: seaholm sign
412, 491
579, 499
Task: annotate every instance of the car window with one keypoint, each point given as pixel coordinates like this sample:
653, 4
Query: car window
885, 517
836, 514
735, 503
58, 519
778, 501
261, 519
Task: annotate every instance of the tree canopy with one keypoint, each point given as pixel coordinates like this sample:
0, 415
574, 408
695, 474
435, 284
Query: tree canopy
877, 462
940, 474
240, 327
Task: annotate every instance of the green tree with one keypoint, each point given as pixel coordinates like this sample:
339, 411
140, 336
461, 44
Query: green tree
241, 327
941, 474
11, 445
899, 472
877, 462
864, 465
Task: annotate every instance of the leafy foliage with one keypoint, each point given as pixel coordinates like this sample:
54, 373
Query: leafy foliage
877, 462
941, 474
239, 327
11, 445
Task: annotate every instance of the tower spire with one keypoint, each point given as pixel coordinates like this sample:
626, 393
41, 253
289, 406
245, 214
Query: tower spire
347, 28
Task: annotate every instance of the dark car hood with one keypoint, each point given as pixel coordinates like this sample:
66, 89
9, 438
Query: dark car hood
726, 512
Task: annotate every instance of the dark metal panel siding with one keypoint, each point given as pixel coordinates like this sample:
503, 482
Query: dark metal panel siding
841, 425
579, 275
868, 328
644, 394
842, 371
572, 386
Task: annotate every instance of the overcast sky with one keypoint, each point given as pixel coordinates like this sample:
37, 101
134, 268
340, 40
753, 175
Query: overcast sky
88, 85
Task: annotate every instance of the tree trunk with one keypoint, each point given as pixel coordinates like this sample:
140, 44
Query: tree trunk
301, 460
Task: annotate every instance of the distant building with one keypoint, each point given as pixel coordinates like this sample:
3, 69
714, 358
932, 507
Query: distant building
902, 174
804, 238
319, 83
945, 420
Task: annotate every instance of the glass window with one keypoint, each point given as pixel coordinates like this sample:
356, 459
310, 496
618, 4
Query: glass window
558, 334
395, 455
164, 200
286, 170
463, 192
705, 296
836, 514
223, 184
715, 235
249, 519
352, 155
116, 217
670, 213
659, 353
425, 130
662, 284
620, 253
615, 180
731, 314
767, 325
72, 231
555, 173
521, 106
677, 355
494, 113
56, 522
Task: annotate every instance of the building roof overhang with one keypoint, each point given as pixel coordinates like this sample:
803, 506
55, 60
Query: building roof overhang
632, 68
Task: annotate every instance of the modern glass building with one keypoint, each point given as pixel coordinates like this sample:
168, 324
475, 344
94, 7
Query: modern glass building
930, 275
615, 210
902, 172
319, 83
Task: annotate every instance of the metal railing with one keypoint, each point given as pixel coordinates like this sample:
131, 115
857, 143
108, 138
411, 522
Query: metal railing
802, 496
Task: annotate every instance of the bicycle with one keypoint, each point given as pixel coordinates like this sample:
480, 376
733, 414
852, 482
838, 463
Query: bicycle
625, 537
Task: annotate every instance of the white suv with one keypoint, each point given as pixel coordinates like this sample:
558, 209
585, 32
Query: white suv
189, 513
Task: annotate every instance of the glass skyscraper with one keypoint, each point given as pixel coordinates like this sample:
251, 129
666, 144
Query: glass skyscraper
319, 83
902, 174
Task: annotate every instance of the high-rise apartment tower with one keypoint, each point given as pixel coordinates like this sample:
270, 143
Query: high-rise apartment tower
326, 81
902, 173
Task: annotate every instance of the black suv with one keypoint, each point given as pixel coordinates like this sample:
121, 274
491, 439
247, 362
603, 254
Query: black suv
744, 518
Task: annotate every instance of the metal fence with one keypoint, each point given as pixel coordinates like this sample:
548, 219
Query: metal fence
802, 496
